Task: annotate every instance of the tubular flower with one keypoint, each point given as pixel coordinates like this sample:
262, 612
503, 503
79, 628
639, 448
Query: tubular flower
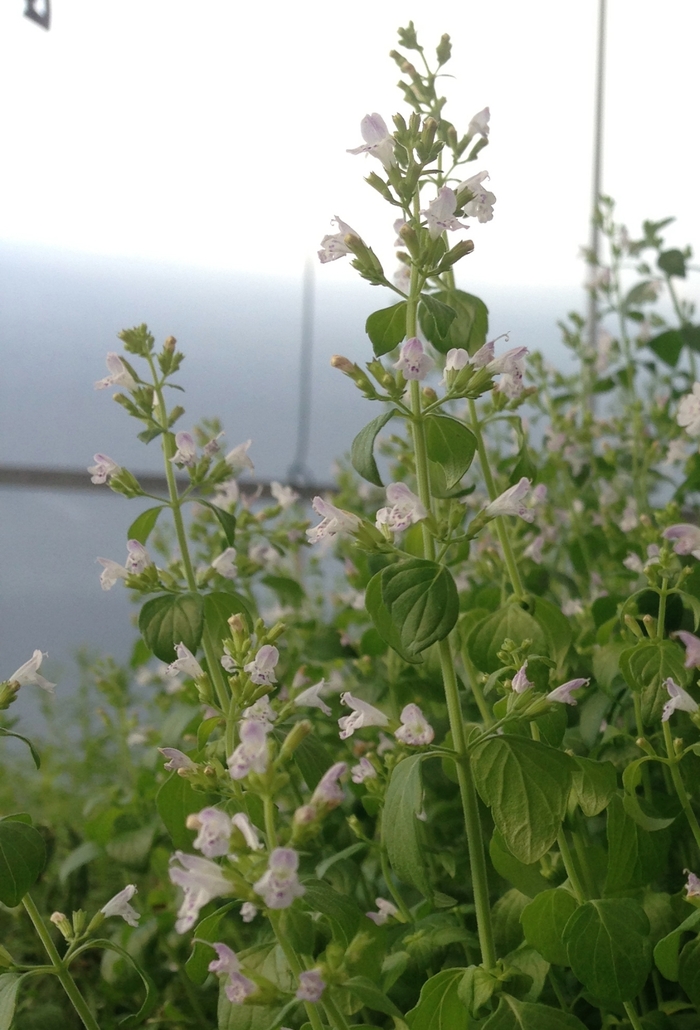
215, 829
386, 911
692, 885
362, 715
262, 669
311, 698
237, 987
440, 213
311, 986
334, 246
378, 140
186, 453
563, 693
119, 375
103, 468
119, 906
413, 361
237, 459
692, 648
689, 412
481, 204
176, 759
137, 559
405, 510
364, 770
251, 754
242, 823
112, 571
687, 538
328, 793
29, 673
510, 502
186, 663
415, 730
679, 700
225, 564
201, 880
335, 521
284, 495
479, 123
520, 682
279, 885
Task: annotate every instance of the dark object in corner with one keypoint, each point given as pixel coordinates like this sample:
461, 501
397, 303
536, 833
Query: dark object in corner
39, 11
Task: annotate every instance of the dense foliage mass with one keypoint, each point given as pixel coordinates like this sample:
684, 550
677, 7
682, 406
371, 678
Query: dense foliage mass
456, 791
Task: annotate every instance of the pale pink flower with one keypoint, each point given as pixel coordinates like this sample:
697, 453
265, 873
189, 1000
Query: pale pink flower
119, 375
311, 698
201, 880
686, 536
237, 987
262, 669
413, 361
563, 693
242, 823
406, 509
119, 906
692, 885
103, 468
440, 213
225, 563
237, 459
137, 558
215, 830
186, 453
362, 715
279, 885
248, 911
261, 711
284, 495
251, 754
29, 673
311, 986
689, 412
386, 911
511, 367
680, 700
176, 759
378, 140
479, 123
456, 359
212, 447
520, 682
335, 521
328, 793
510, 502
415, 730
186, 663
481, 204
334, 246
364, 770
692, 648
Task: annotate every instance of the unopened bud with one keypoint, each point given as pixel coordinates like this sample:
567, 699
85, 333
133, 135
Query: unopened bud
170, 344
79, 919
410, 238
60, 920
650, 624
344, 364
633, 626
294, 738
236, 623
444, 49
429, 394
193, 822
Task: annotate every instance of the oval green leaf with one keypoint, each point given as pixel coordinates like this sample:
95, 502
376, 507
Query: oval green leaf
439, 1006
227, 521
401, 828
22, 859
544, 920
171, 619
422, 601
362, 450
142, 527
608, 945
386, 328
451, 445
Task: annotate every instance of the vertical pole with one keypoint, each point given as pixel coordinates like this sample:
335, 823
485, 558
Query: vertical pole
594, 241
299, 473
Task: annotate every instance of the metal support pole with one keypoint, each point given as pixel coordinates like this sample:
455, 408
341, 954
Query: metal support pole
594, 245
299, 473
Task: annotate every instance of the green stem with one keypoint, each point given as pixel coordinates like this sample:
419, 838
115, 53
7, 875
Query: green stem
296, 967
472, 676
333, 1012
569, 865
270, 831
661, 617
501, 530
632, 1015
580, 848
386, 872
679, 785
59, 966
646, 781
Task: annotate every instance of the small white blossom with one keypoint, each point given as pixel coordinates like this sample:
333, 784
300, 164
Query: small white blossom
284, 495
112, 571
440, 213
362, 715
176, 759
201, 880
225, 564
119, 375
633, 562
679, 700
520, 682
248, 911
689, 412
279, 885
334, 521
29, 673
328, 793
510, 502
479, 123
251, 753
378, 140
456, 359
691, 644
364, 770
119, 906
692, 885
676, 452
687, 538
186, 453
481, 204
629, 520
262, 669
311, 698
311, 986
261, 711
406, 509
103, 468
227, 494
413, 361
511, 367
237, 987
186, 663
242, 823
415, 730
563, 693
334, 246
237, 459
534, 550
386, 911
215, 830
572, 607
212, 447
137, 558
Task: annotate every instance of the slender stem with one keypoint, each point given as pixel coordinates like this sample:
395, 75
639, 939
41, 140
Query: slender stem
661, 617
646, 781
59, 966
580, 848
333, 1012
386, 872
475, 687
296, 967
501, 530
270, 831
557, 990
679, 785
569, 865
632, 1015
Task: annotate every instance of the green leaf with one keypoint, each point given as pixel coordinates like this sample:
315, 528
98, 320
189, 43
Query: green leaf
176, 800
435, 319
132, 848
469, 328
11, 733
641, 810
526, 784
371, 995
666, 951
646, 667
556, 627
219, 606
594, 784
634, 857
667, 346
312, 759
9, 986
544, 920
439, 1006
227, 521
643, 293
234, 1016
451, 445
402, 831
341, 911
362, 450
486, 639
608, 947
152, 995
526, 878
422, 601
386, 328
171, 619
207, 930
382, 620
672, 262
512, 1014
505, 915
22, 859
77, 858
142, 526
689, 971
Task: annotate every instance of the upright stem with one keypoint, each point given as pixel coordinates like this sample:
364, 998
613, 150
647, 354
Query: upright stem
569, 865
296, 967
679, 786
632, 1015
59, 966
334, 1013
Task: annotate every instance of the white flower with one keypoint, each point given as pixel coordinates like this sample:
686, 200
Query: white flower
385, 744
29, 673
364, 770
329, 793
103, 468
520, 682
511, 367
212, 447
692, 885
456, 359
227, 494
186, 663
413, 361
284, 495
112, 572
248, 911
479, 123
334, 247
137, 558
629, 520
378, 141
264, 554
680, 700
118, 374
572, 607
119, 906
362, 715
238, 987
279, 884
633, 562
176, 759
481, 204
440, 213
510, 502
311, 698
692, 648
262, 669
261, 711
214, 834
563, 693
415, 729
405, 510
386, 911
334, 521
237, 459
534, 550
311, 986
242, 823
201, 880
251, 753
689, 412
186, 453
676, 452
687, 538
225, 564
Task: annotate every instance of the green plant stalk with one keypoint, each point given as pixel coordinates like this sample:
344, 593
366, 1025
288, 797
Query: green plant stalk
296, 967
475, 687
59, 967
646, 782
570, 866
502, 532
678, 784
333, 1012
386, 873
632, 1015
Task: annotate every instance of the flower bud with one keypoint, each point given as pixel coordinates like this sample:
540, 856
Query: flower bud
294, 738
429, 394
633, 626
60, 920
79, 919
410, 238
444, 49
650, 624
8, 694
169, 345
